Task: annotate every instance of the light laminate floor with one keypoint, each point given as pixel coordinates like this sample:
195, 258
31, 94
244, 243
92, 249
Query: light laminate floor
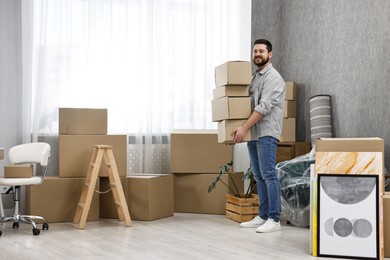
183, 236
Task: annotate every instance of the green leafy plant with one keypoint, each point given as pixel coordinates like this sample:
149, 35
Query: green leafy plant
248, 175
228, 170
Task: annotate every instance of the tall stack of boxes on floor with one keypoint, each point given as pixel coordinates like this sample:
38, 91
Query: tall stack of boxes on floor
196, 157
58, 196
288, 148
79, 131
290, 113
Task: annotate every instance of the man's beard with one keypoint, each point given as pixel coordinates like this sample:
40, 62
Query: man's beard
262, 63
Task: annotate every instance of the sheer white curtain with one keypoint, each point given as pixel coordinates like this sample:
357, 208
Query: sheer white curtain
150, 62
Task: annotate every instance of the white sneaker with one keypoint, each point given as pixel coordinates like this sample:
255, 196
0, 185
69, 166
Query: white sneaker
269, 226
254, 223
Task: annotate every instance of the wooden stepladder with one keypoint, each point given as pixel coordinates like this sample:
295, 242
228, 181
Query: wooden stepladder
84, 205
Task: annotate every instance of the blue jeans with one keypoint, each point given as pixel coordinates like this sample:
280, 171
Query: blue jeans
262, 154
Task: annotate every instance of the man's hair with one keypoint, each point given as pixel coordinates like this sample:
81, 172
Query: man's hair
265, 42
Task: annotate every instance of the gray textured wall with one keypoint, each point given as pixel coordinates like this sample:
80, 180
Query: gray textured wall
340, 48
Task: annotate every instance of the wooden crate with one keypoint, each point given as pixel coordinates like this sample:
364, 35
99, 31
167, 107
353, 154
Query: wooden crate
242, 209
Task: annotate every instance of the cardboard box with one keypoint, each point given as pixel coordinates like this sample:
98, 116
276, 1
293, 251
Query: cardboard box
225, 129
230, 108
82, 121
231, 91
192, 196
288, 130
351, 156
198, 151
233, 73
107, 206
150, 197
291, 91
386, 223
19, 171
286, 151
56, 199
369, 144
290, 109
1, 153
75, 153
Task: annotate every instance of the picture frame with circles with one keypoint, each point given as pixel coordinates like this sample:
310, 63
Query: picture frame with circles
348, 216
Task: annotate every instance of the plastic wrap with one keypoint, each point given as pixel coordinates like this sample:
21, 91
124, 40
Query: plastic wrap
294, 176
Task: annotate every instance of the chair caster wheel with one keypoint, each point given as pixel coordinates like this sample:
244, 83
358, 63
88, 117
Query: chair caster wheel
15, 225
45, 226
36, 231
1, 233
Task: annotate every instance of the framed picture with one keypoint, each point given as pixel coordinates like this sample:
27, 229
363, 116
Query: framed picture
348, 216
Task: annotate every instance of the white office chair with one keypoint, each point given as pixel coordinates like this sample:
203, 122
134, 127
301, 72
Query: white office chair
37, 153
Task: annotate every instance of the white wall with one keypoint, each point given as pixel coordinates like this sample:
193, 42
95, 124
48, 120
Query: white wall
10, 75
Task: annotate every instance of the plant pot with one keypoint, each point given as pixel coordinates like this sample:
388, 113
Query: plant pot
242, 209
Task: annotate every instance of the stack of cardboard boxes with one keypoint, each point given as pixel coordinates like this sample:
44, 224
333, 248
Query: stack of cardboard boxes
58, 196
288, 148
196, 158
79, 130
231, 104
290, 113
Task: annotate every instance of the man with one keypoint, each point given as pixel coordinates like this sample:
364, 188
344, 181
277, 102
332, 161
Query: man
267, 92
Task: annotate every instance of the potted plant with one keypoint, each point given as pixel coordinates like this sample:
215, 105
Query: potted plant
239, 206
